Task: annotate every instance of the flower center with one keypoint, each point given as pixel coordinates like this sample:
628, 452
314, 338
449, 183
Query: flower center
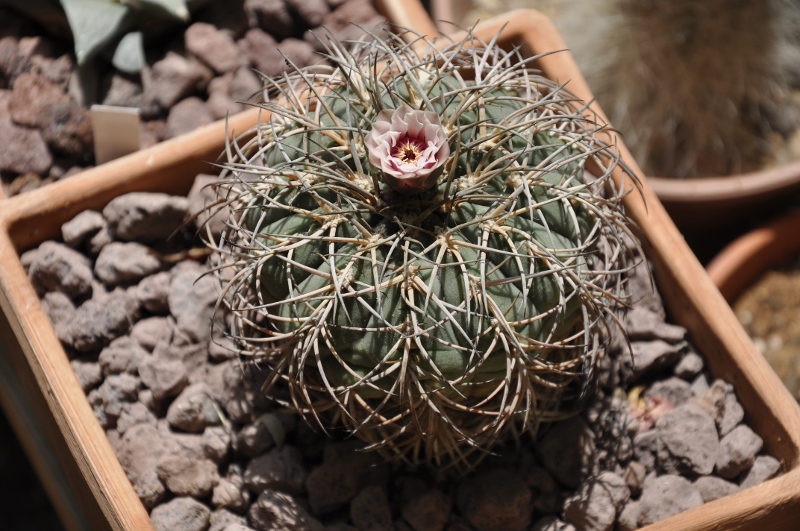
409, 151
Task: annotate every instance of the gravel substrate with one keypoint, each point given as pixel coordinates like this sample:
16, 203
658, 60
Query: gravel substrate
204, 450
192, 78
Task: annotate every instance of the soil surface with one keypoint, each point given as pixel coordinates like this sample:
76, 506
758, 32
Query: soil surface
768, 310
205, 450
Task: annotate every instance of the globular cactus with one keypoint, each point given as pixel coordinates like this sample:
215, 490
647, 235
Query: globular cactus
416, 250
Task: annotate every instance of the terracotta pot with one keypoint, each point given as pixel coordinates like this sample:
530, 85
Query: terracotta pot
754, 253
107, 499
708, 210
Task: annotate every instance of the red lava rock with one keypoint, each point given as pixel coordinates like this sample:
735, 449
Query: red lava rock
370, 510
109, 399
712, 488
299, 52
82, 227
245, 86
193, 410
261, 49
596, 505
175, 77
310, 13
153, 292
88, 373
495, 499
279, 469
343, 472
425, 509
134, 414
272, 16
186, 116
59, 309
566, 450
213, 47
32, 95
231, 494
216, 443
150, 331
121, 355
224, 520
68, 129
765, 467
343, 21
56, 267
165, 377
24, 150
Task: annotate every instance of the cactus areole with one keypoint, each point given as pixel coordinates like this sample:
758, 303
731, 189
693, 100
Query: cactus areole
414, 250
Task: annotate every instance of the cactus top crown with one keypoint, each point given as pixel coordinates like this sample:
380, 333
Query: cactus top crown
415, 249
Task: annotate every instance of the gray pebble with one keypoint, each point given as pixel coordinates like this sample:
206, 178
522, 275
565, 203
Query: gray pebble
222, 518
666, 496
676, 391
679, 453
552, 523
88, 373
737, 451
652, 356
765, 467
182, 513
689, 367
712, 487
192, 298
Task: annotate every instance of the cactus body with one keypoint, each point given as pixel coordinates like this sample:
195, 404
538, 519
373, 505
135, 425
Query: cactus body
430, 322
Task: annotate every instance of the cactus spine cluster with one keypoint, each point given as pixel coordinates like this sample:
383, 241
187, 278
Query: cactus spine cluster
432, 320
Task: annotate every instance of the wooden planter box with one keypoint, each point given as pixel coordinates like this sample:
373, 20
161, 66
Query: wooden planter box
90, 468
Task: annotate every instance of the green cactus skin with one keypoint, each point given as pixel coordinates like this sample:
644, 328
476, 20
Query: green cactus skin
432, 324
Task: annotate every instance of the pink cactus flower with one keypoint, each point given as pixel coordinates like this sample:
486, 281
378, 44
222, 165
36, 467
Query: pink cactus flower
409, 146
